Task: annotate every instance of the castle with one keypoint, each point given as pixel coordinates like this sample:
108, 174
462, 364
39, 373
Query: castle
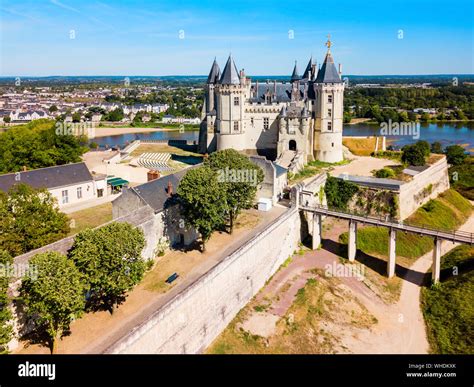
280, 120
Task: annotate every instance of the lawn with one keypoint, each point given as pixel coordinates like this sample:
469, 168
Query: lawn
462, 178
448, 308
90, 217
448, 211
313, 168
360, 146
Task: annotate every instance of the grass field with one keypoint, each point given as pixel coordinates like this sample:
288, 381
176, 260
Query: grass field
90, 217
359, 146
313, 168
448, 211
462, 178
448, 308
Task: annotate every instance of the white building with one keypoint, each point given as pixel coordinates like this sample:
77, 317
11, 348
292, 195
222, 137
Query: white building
69, 184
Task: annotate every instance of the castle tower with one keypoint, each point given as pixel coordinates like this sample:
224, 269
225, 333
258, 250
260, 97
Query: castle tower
207, 140
230, 98
295, 84
328, 111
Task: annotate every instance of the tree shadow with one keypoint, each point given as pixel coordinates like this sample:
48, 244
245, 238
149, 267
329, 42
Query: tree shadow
30, 331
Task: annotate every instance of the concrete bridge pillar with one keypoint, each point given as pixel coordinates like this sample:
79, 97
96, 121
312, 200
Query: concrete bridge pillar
317, 231
436, 269
392, 235
352, 245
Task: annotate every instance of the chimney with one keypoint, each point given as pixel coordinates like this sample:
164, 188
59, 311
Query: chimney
340, 69
170, 189
313, 70
153, 175
275, 88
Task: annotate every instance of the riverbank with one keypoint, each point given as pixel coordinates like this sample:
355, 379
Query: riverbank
113, 131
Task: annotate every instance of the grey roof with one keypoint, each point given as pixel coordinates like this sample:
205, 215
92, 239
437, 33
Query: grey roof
51, 177
230, 75
307, 71
283, 91
415, 170
328, 73
295, 76
214, 74
375, 182
155, 192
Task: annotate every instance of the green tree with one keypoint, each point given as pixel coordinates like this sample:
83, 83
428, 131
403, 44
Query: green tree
240, 179
5, 314
203, 201
436, 147
413, 155
76, 117
424, 146
384, 173
55, 296
115, 115
37, 145
339, 192
110, 260
7, 119
29, 219
455, 154
53, 108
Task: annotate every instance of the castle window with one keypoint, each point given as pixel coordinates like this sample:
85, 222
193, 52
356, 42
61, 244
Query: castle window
251, 121
330, 112
266, 123
236, 125
236, 101
330, 98
329, 125
332, 144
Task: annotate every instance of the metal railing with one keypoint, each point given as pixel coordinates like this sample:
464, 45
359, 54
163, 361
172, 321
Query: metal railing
452, 235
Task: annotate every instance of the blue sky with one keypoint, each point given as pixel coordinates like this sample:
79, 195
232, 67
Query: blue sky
140, 37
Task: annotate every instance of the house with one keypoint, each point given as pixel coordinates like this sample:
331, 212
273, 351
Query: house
69, 183
157, 195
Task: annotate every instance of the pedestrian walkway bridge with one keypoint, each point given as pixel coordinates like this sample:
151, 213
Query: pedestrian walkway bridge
394, 226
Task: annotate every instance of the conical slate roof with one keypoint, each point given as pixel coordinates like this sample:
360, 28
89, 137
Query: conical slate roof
328, 73
230, 75
295, 76
214, 74
307, 71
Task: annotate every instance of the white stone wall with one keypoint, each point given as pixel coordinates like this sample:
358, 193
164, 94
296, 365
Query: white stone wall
190, 321
88, 193
413, 194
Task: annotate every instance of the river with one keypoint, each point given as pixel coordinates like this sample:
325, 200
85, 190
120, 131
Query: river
446, 133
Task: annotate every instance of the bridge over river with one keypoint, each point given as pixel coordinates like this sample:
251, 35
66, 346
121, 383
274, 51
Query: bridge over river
393, 226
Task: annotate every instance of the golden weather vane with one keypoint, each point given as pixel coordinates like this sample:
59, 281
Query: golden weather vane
328, 43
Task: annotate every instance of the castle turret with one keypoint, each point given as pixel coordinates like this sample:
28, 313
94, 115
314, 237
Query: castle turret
207, 141
295, 84
328, 111
230, 92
